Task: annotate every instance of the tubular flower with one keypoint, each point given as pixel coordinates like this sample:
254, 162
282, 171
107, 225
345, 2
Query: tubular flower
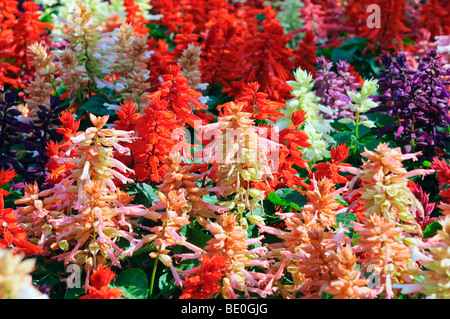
348, 282
181, 179
332, 169
84, 38
190, 65
132, 57
257, 103
99, 281
305, 54
135, 17
204, 283
424, 198
385, 186
186, 35
5, 177
94, 159
180, 197
15, 279
390, 260
419, 101
91, 58
59, 170
230, 241
311, 270
36, 214
392, 21
12, 235
442, 170
306, 238
333, 87
291, 138
435, 260
19, 30
40, 89
156, 132
160, 61
241, 154
175, 91
222, 47
322, 202
315, 126
85, 213
263, 63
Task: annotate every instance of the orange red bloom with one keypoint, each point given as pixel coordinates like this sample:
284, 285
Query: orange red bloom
99, 284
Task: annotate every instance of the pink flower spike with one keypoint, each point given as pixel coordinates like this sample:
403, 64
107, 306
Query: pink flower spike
270, 230
78, 139
178, 280
408, 288
249, 277
262, 293
120, 177
85, 174
110, 184
188, 256
121, 166
258, 250
254, 241
182, 241
419, 171
216, 208
121, 149
277, 275
260, 263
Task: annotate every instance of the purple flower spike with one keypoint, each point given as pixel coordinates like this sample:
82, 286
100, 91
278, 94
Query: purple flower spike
332, 87
418, 100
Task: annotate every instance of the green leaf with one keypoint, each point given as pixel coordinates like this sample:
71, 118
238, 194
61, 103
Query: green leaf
166, 285
343, 137
95, 105
210, 199
346, 120
149, 193
133, 282
74, 293
326, 296
431, 229
367, 105
370, 142
342, 53
345, 219
287, 197
360, 43
381, 119
375, 65
341, 200
356, 97
368, 123
197, 236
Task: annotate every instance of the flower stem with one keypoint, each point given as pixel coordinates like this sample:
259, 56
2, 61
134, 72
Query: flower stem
356, 125
356, 130
152, 282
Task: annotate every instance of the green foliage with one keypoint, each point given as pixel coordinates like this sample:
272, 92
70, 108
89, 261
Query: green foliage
432, 229
287, 197
133, 282
95, 105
